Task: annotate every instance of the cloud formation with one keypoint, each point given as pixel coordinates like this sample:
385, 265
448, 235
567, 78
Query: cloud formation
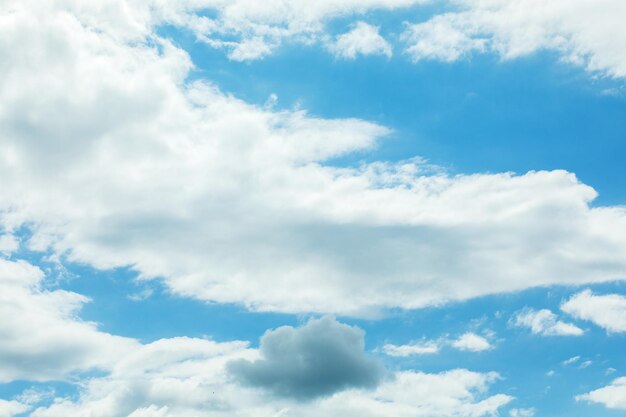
583, 32
320, 358
187, 377
612, 396
42, 338
472, 342
544, 322
363, 39
12, 408
418, 348
606, 311
233, 203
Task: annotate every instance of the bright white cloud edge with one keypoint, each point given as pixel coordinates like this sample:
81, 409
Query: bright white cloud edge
607, 311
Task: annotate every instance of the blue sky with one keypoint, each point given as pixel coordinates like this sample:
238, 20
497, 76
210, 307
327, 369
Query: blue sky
386, 207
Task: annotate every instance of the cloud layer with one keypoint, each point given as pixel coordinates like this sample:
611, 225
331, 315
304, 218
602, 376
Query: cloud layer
185, 377
233, 203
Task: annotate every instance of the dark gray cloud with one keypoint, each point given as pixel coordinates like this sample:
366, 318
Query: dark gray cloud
317, 359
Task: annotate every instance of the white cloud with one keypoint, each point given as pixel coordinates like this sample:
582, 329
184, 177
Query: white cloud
472, 342
571, 360
188, 377
612, 395
522, 412
43, 339
8, 243
252, 29
439, 39
233, 203
606, 311
363, 39
418, 348
12, 408
583, 32
545, 323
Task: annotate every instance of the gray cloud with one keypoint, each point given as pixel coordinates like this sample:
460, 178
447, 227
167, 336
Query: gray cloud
317, 359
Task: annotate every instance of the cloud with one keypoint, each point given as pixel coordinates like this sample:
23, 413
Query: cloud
522, 412
363, 39
186, 377
251, 30
606, 311
612, 396
43, 339
545, 323
571, 360
420, 348
472, 342
317, 359
439, 39
12, 408
582, 32
233, 203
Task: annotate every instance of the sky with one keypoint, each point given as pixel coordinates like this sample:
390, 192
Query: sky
288, 208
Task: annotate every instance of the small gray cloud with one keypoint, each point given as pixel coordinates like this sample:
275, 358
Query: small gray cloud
317, 359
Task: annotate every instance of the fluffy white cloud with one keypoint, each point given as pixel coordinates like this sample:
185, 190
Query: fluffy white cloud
419, 348
440, 38
363, 39
110, 158
12, 408
584, 32
189, 377
42, 338
545, 323
250, 29
606, 311
612, 396
472, 342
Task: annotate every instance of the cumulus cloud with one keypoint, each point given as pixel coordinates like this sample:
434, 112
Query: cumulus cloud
472, 342
12, 408
233, 203
612, 396
606, 311
317, 359
583, 32
363, 39
42, 339
545, 323
440, 39
187, 377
